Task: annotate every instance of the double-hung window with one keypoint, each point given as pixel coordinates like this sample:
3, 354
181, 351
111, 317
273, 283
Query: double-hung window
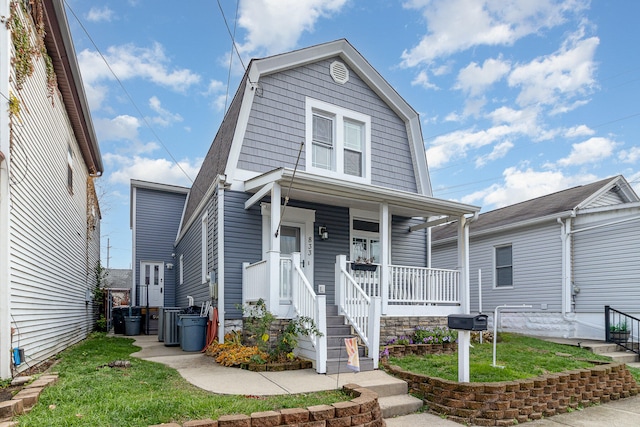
338, 141
504, 266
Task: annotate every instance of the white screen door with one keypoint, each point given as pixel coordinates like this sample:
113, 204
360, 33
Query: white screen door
152, 283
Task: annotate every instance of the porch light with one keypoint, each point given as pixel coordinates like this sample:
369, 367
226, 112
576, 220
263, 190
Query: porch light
323, 233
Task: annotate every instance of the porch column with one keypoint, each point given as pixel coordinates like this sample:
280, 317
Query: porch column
463, 263
273, 253
385, 246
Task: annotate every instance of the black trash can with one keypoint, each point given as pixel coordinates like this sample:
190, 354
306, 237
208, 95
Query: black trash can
192, 331
117, 316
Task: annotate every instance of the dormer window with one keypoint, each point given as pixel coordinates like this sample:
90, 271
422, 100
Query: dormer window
338, 142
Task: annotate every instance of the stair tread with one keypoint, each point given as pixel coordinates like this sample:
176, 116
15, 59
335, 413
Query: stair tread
393, 406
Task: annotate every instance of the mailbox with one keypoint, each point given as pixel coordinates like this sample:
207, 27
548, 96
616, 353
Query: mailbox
467, 322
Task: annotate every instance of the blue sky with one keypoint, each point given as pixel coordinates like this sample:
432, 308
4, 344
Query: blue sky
518, 98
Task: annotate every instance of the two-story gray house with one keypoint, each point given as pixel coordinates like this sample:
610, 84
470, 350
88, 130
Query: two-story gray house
315, 197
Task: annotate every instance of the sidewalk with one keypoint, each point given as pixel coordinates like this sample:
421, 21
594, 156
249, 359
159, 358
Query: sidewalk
203, 372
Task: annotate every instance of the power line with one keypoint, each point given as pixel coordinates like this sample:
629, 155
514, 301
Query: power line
233, 39
133, 103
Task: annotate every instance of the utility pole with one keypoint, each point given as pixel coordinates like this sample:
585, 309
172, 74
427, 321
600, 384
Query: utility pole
108, 251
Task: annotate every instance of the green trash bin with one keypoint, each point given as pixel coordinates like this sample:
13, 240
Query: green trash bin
192, 331
132, 325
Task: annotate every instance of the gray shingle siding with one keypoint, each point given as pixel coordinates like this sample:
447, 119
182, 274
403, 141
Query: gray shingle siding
158, 216
276, 124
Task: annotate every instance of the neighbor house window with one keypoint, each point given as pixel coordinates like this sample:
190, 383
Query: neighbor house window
339, 141
205, 247
504, 266
181, 269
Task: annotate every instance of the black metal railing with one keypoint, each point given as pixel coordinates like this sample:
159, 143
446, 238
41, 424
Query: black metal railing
622, 329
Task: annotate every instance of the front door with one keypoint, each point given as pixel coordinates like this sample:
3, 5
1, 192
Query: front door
152, 283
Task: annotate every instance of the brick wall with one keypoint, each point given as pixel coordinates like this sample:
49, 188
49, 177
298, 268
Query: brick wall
361, 411
508, 403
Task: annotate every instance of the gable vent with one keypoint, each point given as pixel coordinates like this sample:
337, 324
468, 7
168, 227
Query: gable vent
339, 72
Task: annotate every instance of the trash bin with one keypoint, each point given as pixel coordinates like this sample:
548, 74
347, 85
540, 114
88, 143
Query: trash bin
192, 331
132, 325
117, 314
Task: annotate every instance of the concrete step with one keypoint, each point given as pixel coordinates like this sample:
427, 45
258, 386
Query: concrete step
335, 320
332, 310
337, 341
393, 406
335, 366
622, 356
338, 330
601, 348
341, 352
634, 365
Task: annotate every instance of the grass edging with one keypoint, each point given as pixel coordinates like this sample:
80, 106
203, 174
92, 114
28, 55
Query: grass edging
363, 409
511, 402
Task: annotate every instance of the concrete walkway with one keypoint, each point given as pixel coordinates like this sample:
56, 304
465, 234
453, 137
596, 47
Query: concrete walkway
203, 372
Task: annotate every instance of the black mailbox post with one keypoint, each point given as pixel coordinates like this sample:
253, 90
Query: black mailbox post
467, 322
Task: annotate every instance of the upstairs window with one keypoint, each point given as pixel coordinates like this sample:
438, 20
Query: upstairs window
338, 142
504, 267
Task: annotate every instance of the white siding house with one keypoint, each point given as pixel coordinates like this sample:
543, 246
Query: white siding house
49, 212
567, 255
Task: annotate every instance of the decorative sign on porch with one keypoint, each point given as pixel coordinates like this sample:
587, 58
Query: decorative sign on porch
353, 363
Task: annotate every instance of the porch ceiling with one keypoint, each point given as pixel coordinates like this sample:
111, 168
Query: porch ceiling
331, 191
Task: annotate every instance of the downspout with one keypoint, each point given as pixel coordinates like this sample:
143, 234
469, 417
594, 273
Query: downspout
220, 270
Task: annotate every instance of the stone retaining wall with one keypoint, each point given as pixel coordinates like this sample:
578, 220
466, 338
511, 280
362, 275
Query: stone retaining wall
508, 403
395, 327
361, 411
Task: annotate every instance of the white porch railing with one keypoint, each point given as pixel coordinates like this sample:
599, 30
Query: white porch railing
254, 285
367, 277
420, 285
286, 270
307, 304
360, 310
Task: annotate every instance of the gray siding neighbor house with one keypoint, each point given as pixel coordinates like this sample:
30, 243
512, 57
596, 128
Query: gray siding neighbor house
566, 254
315, 195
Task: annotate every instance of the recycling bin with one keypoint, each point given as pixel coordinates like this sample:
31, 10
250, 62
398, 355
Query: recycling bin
192, 331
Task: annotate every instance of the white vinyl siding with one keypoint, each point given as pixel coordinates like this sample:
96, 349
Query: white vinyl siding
54, 251
205, 248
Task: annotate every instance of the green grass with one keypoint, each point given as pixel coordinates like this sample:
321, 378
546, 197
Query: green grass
146, 393
521, 356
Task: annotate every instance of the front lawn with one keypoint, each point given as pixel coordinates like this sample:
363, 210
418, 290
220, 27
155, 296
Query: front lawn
521, 356
89, 393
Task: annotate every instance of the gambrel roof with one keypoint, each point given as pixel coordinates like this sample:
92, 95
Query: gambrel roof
609, 191
223, 154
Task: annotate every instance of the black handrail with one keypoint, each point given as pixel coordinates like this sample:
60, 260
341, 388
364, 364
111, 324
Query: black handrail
622, 329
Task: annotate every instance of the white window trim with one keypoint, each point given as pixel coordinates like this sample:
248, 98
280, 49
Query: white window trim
181, 269
364, 216
495, 267
205, 247
339, 114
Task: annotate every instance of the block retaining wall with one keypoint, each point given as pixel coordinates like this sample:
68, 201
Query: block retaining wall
361, 411
509, 403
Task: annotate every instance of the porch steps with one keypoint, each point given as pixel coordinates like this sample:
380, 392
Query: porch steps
615, 352
392, 396
337, 355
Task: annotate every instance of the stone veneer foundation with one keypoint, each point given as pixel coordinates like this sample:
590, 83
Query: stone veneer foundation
395, 327
507, 403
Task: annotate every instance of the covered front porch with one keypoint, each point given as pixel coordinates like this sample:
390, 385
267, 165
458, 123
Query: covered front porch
370, 256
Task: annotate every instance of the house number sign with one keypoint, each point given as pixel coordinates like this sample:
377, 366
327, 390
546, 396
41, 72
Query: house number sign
310, 247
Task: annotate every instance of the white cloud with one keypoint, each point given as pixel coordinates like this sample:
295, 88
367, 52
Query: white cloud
555, 79
274, 26
164, 117
474, 79
155, 170
631, 155
456, 144
456, 25
578, 131
97, 14
131, 62
520, 185
592, 150
422, 79
123, 127
499, 151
